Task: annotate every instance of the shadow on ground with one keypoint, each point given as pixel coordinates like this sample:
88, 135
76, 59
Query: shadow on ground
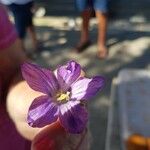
128, 48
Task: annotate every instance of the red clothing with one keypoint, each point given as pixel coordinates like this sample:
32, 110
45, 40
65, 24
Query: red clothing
9, 137
7, 31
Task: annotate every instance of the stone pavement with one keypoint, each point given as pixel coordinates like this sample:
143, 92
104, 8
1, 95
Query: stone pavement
128, 42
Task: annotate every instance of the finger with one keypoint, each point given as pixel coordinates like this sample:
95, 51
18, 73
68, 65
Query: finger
50, 138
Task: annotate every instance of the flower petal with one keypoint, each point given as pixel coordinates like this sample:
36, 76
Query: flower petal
73, 116
40, 79
42, 112
68, 74
85, 88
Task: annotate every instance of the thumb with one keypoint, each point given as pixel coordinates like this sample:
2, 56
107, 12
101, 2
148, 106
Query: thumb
50, 138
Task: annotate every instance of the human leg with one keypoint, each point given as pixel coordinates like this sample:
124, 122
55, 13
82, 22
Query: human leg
31, 31
84, 6
101, 8
23, 21
102, 30
85, 26
19, 20
84, 41
30, 25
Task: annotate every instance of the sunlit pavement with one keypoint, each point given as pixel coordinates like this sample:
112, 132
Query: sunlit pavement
129, 47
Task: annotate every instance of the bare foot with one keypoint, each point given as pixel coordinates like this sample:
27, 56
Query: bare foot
102, 52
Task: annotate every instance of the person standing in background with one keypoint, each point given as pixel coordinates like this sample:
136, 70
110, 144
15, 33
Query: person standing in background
22, 12
100, 7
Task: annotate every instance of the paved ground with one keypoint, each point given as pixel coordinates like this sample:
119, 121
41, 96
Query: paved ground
128, 42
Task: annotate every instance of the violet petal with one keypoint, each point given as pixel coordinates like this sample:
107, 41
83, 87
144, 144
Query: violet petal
40, 79
73, 117
68, 74
85, 88
42, 112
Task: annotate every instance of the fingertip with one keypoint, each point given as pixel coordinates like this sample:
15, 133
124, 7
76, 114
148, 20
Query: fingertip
49, 138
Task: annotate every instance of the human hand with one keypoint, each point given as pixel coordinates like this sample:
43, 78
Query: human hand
67, 91
19, 98
52, 137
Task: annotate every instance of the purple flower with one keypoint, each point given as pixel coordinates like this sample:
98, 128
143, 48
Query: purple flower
63, 95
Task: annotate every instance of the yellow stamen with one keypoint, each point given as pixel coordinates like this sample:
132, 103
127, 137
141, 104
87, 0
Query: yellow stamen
63, 97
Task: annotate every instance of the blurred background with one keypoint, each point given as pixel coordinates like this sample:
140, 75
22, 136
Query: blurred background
57, 26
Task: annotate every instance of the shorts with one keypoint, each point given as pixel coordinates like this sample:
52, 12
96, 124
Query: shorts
22, 17
100, 5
